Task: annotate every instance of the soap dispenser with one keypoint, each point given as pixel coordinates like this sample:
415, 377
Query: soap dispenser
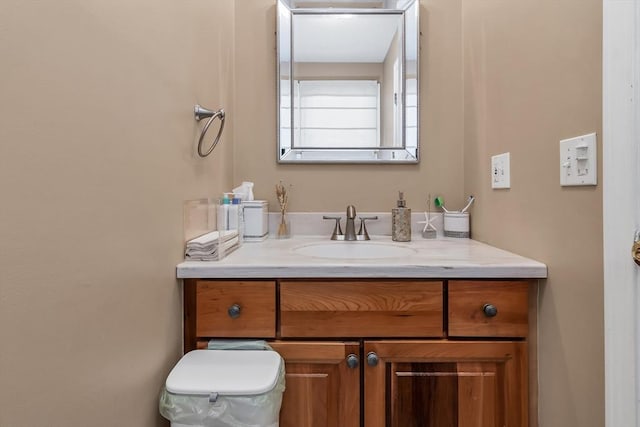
401, 221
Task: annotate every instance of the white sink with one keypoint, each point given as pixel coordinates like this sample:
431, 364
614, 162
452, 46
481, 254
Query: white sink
354, 250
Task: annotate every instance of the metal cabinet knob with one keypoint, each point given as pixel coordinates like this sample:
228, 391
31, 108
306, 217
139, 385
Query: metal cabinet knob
234, 311
352, 361
490, 310
372, 359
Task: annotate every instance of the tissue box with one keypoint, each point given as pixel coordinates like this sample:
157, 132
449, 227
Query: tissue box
256, 220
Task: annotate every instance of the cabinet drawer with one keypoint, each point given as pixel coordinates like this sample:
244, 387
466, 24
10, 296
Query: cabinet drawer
467, 317
254, 303
361, 309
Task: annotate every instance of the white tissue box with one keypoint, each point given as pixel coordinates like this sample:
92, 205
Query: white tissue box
256, 220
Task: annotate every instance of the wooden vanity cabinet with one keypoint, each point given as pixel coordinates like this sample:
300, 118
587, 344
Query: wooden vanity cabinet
321, 308
380, 353
445, 384
322, 389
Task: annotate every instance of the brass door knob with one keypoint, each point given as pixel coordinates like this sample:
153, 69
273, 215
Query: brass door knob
635, 252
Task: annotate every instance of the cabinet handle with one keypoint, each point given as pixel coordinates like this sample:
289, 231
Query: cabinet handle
352, 361
234, 311
490, 310
372, 359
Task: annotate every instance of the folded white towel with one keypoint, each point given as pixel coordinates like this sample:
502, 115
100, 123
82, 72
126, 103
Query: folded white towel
212, 237
206, 247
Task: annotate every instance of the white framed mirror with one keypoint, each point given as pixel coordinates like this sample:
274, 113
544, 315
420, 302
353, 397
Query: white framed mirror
348, 81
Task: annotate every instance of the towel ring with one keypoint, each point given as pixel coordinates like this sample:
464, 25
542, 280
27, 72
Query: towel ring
202, 113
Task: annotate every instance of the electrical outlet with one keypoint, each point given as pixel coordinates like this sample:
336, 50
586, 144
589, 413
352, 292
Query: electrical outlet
501, 171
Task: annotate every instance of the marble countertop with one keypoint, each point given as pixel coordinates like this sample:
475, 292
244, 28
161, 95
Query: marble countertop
445, 258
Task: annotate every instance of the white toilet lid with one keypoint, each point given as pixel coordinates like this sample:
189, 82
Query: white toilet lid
227, 372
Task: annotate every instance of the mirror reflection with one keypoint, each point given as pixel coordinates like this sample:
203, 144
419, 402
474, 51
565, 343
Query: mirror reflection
348, 86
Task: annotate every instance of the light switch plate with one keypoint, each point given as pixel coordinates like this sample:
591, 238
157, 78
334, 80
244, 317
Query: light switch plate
501, 171
578, 161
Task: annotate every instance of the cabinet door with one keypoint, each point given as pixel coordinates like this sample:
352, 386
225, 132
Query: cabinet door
322, 390
445, 384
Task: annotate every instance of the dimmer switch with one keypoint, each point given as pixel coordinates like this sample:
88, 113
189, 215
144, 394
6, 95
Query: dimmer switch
579, 161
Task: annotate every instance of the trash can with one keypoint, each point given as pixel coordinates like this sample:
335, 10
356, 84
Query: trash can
224, 388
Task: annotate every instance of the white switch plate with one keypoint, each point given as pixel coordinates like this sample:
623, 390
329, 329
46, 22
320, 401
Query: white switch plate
578, 161
500, 171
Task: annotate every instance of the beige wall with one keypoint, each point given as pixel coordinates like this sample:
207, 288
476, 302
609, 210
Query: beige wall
533, 77
96, 157
89, 331
372, 187
338, 70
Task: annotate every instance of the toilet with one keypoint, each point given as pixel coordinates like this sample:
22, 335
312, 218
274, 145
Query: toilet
224, 388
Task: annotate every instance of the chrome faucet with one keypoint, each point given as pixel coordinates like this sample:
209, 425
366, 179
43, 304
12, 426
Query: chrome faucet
350, 230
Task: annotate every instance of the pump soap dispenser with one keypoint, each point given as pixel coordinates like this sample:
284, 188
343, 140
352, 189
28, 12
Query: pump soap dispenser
401, 221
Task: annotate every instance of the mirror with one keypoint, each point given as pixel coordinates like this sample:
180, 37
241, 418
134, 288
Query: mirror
347, 81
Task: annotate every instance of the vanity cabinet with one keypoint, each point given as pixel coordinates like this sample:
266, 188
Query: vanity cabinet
322, 384
380, 353
323, 308
445, 383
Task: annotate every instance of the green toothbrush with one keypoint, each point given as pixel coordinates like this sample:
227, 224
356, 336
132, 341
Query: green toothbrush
439, 202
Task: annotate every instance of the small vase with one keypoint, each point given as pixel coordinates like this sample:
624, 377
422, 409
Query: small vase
284, 228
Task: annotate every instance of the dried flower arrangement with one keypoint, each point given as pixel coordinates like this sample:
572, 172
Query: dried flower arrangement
283, 198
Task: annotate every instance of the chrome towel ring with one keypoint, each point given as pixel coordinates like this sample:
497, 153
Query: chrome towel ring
202, 113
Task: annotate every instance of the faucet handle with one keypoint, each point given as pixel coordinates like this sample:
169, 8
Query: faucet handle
337, 230
362, 233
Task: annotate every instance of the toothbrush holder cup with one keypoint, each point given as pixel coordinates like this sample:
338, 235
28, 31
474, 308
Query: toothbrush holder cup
456, 224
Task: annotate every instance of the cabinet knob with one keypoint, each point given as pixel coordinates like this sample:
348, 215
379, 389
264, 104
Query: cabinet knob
489, 310
234, 311
352, 361
372, 359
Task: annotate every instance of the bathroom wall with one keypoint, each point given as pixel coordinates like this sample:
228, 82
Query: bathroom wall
533, 77
339, 70
368, 187
97, 154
